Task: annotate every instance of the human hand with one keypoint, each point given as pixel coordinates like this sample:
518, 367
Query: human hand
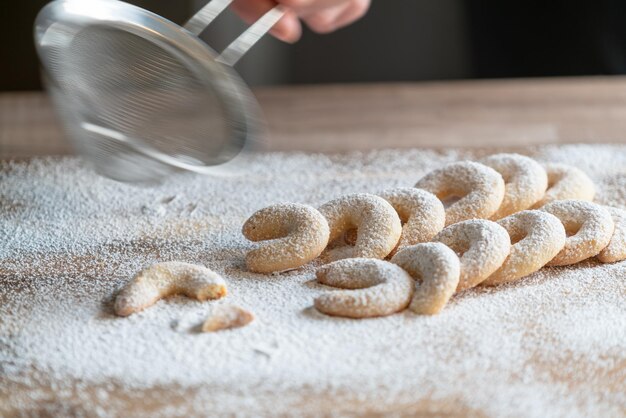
321, 16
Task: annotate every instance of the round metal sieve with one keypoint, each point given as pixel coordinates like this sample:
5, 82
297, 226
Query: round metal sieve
142, 97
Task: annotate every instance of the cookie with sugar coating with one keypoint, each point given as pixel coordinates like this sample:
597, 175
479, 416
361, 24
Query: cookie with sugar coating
371, 288
297, 234
422, 214
482, 247
166, 279
479, 189
537, 238
566, 182
378, 227
616, 250
436, 270
590, 228
525, 181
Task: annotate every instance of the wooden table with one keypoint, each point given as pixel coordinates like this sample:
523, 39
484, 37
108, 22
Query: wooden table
485, 114
331, 118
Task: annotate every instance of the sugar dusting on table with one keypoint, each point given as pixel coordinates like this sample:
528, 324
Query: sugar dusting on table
552, 344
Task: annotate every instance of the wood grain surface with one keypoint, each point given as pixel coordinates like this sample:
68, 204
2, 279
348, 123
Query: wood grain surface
332, 118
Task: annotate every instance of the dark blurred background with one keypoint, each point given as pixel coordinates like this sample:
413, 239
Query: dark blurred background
399, 40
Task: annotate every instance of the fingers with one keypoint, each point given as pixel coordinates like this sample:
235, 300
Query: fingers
333, 18
353, 12
324, 21
287, 29
322, 16
304, 7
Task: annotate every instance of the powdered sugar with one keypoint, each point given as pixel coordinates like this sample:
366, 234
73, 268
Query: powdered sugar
548, 345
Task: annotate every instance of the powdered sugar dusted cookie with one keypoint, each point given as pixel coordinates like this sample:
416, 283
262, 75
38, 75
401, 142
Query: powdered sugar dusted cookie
481, 245
376, 288
436, 269
525, 182
480, 190
421, 212
566, 182
616, 250
589, 227
299, 234
537, 238
166, 279
224, 317
376, 221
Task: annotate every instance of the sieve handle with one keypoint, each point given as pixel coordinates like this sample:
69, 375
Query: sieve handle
206, 15
246, 40
251, 36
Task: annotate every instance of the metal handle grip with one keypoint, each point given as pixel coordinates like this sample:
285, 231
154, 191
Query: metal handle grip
238, 48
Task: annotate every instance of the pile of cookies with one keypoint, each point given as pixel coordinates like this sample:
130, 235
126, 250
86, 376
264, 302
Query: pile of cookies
463, 225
